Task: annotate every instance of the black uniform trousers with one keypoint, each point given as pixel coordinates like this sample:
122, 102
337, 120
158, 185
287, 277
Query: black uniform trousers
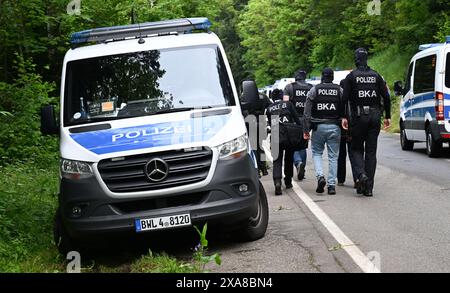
365, 132
288, 155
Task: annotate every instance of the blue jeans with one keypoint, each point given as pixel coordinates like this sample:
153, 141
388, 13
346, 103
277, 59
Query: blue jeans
300, 157
329, 135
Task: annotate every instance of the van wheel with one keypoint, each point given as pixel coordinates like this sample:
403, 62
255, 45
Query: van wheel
255, 228
433, 147
61, 237
406, 144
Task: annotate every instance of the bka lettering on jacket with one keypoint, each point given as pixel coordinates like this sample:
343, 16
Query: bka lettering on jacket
328, 92
367, 94
301, 93
326, 107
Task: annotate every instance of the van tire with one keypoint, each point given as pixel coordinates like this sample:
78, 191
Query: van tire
406, 144
255, 228
61, 237
433, 147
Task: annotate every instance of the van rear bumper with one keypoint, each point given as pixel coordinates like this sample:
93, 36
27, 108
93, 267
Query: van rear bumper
439, 132
219, 202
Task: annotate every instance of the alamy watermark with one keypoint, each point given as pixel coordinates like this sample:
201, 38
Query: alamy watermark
74, 264
374, 7
74, 7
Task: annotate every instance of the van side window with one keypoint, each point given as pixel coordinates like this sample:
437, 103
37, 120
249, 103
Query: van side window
447, 72
425, 74
408, 78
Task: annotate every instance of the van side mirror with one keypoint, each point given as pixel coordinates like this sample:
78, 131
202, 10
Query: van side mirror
49, 126
250, 94
398, 88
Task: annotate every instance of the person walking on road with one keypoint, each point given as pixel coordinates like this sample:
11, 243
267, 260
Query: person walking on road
367, 95
324, 111
296, 93
279, 113
345, 148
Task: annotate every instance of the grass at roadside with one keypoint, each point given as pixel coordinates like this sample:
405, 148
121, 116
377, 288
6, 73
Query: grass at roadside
28, 199
392, 64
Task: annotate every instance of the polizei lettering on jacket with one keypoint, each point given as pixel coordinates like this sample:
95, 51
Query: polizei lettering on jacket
328, 92
366, 79
153, 131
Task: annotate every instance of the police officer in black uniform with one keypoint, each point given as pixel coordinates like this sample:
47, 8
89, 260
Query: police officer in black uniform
278, 113
259, 111
366, 92
324, 112
296, 93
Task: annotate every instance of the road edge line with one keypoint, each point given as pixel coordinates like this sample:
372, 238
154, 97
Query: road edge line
348, 245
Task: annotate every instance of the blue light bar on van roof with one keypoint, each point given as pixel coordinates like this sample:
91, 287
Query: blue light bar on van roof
447, 39
98, 35
428, 46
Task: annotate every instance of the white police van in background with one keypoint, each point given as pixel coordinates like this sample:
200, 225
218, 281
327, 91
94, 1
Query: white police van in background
152, 135
425, 105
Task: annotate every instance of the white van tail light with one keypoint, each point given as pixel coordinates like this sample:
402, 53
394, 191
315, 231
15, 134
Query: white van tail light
440, 106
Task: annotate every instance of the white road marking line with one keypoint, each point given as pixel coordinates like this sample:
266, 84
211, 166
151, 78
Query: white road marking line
353, 251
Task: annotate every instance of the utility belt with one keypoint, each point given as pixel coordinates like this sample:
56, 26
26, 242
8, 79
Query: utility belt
365, 110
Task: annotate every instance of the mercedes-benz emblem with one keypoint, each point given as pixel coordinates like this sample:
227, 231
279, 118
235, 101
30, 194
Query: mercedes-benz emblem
156, 170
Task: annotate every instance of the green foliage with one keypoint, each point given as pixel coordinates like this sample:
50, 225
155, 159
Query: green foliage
161, 264
200, 255
281, 36
20, 139
28, 201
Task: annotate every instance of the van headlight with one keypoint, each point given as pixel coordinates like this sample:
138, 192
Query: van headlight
234, 149
75, 169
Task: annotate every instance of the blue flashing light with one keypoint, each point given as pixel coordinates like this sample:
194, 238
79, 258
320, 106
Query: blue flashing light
186, 25
428, 46
447, 39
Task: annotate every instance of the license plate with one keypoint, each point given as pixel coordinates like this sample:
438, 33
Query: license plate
162, 222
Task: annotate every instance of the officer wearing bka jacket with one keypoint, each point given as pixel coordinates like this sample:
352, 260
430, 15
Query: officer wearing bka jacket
278, 113
296, 93
367, 94
324, 112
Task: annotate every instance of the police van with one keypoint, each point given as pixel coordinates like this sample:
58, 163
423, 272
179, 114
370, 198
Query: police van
152, 135
425, 104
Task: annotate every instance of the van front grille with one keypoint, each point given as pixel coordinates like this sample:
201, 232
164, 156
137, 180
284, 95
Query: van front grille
128, 174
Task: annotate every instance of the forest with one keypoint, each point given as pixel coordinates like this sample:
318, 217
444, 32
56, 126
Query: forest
264, 40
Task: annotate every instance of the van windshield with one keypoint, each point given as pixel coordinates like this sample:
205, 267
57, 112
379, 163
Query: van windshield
145, 83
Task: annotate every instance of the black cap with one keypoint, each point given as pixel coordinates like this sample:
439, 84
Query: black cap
361, 56
300, 74
277, 94
327, 75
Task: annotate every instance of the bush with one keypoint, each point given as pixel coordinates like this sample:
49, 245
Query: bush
20, 103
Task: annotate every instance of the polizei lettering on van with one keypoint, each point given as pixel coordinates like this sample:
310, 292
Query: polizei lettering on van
150, 136
153, 131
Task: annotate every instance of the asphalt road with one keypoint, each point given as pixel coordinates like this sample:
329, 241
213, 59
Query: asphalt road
406, 223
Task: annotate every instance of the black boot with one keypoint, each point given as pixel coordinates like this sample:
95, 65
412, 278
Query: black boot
331, 190
288, 183
301, 171
321, 182
278, 190
362, 184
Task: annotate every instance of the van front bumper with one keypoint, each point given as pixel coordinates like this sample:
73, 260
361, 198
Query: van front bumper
87, 210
